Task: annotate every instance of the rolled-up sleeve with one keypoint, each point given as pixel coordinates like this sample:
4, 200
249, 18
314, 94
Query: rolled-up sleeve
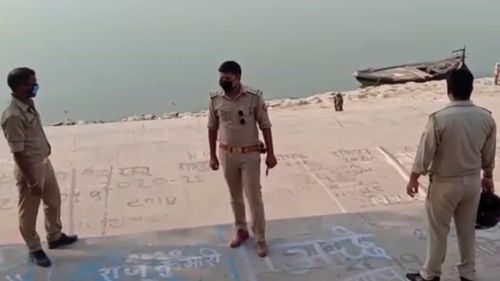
15, 133
489, 150
427, 148
262, 114
213, 120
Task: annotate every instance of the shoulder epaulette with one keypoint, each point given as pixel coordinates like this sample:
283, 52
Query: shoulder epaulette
252, 91
214, 94
485, 109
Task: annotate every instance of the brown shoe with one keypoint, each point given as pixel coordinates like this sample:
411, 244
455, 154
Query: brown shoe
241, 236
261, 248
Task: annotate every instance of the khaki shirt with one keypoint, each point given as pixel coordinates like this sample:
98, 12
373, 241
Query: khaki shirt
458, 140
225, 114
24, 132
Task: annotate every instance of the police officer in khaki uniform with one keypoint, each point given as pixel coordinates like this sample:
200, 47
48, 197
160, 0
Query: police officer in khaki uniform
459, 141
233, 117
34, 174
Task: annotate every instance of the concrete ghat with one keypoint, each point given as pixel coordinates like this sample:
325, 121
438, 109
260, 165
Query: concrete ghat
150, 209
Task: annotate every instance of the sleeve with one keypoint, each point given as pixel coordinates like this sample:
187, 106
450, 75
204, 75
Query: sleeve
213, 120
262, 114
427, 148
15, 133
489, 150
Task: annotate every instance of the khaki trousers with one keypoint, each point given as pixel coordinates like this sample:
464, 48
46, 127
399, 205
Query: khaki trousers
29, 204
242, 174
456, 197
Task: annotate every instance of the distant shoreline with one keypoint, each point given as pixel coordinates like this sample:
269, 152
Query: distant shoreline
383, 91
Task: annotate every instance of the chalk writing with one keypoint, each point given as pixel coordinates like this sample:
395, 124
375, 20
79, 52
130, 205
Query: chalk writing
291, 156
382, 274
344, 248
487, 247
7, 204
163, 264
78, 196
157, 182
161, 200
391, 199
16, 277
353, 155
197, 155
134, 171
121, 222
200, 166
92, 172
61, 176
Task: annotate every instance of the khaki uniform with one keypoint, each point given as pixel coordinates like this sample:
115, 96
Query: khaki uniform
459, 141
236, 121
24, 132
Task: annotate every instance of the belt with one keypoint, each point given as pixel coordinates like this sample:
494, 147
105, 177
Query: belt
240, 149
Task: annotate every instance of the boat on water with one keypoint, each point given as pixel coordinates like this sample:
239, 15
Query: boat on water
416, 72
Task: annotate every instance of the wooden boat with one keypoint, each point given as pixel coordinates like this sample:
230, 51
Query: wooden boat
416, 72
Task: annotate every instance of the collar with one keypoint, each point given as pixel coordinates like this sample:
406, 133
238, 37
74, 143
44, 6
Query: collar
237, 96
461, 103
22, 105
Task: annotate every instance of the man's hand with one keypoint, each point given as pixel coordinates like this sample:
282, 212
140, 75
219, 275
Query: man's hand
412, 188
214, 163
35, 189
271, 161
487, 184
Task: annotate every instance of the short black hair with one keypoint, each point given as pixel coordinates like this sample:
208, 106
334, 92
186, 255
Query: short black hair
230, 67
19, 76
460, 83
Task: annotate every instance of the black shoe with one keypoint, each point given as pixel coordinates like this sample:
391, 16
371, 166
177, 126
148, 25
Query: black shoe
40, 258
464, 279
418, 277
64, 240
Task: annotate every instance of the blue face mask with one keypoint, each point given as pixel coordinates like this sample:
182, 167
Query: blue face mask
34, 90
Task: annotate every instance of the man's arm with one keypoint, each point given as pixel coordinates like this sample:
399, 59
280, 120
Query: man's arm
268, 140
213, 127
426, 150
15, 135
212, 141
488, 152
265, 124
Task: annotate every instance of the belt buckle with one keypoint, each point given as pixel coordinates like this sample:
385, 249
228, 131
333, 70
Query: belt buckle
241, 149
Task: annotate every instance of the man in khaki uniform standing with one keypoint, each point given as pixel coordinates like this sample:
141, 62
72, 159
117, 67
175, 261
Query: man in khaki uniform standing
459, 141
34, 174
233, 117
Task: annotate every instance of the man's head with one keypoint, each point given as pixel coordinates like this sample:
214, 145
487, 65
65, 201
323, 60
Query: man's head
230, 75
23, 82
460, 84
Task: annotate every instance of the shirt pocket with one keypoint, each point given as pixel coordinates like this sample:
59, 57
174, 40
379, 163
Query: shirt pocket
32, 126
225, 115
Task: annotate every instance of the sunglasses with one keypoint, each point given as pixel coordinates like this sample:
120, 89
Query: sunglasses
242, 120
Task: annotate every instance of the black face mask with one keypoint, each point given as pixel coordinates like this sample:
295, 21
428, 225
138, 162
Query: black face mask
227, 86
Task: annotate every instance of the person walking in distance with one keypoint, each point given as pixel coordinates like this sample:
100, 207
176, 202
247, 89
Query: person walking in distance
35, 177
496, 73
233, 116
458, 142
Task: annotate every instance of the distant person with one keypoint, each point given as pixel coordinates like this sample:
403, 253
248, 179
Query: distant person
339, 102
458, 142
35, 178
496, 72
233, 116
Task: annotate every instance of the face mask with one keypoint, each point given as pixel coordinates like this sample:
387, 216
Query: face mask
34, 90
227, 86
